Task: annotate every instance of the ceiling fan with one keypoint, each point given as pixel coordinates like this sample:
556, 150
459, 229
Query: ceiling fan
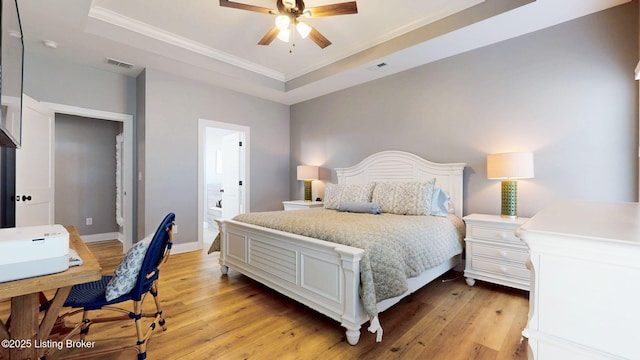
288, 13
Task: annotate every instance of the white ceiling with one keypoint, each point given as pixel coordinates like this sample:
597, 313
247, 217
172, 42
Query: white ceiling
200, 40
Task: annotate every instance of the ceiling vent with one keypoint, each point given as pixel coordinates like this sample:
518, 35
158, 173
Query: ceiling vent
119, 63
377, 66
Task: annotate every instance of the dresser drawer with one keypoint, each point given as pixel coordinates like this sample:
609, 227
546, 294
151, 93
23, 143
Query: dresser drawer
500, 253
493, 233
503, 269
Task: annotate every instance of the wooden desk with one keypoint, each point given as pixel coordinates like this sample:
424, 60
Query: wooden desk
25, 326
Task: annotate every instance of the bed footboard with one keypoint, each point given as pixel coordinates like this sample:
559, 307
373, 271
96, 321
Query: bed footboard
321, 275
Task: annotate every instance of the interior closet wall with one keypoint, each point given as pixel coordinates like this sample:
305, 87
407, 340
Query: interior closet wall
85, 182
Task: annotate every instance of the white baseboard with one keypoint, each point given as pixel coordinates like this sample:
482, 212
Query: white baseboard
102, 237
184, 247
176, 249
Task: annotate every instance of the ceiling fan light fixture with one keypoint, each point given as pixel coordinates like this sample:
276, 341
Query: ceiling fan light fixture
284, 35
290, 11
282, 22
303, 29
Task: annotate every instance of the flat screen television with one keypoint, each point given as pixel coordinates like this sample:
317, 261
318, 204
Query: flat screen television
11, 64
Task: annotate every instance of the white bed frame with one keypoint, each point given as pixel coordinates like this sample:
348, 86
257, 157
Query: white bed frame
322, 275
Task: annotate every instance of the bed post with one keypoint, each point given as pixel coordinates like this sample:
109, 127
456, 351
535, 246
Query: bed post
222, 233
352, 308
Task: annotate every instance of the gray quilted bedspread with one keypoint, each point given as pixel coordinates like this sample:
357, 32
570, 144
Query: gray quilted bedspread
396, 247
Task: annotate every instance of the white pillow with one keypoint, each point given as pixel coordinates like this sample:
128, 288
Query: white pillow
404, 198
126, 274
334, 194
441, 203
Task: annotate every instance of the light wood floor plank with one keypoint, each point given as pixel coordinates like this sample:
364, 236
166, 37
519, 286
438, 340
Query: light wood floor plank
215, 316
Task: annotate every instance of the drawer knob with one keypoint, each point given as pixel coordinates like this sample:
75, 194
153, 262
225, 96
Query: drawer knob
504, 269
504, 254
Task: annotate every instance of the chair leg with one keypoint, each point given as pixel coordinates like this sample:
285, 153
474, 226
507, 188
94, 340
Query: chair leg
84, 330
142, 343
159, 317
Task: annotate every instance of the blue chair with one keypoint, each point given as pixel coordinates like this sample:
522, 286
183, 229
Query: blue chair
92, 296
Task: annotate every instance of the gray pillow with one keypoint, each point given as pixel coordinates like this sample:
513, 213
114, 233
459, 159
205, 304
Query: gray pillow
359, 207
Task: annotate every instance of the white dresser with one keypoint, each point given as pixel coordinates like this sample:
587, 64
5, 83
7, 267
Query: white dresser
494, 253
585, 291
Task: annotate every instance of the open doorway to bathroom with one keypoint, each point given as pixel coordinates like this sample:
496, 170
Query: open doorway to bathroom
223, 174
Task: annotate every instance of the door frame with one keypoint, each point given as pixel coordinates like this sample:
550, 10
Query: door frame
127, 163
203, 124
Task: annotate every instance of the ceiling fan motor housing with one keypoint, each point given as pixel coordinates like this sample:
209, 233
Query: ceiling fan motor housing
287, 7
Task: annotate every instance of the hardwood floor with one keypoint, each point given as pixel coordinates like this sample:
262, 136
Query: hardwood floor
211, 316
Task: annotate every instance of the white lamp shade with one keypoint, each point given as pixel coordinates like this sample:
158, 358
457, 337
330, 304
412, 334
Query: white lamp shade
516, 165
303, 29
283, 35
282, 22
307, 172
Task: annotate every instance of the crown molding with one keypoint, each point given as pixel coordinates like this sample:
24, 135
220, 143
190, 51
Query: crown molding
116, 19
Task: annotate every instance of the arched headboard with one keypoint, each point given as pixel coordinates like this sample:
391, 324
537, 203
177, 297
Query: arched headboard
397, 166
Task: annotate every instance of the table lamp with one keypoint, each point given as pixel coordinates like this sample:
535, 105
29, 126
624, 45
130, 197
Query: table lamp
307, 173
508, 167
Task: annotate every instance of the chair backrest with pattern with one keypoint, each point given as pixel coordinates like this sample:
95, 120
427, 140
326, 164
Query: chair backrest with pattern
156, 253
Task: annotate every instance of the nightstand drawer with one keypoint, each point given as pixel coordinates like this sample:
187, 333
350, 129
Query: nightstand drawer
495, 234
500, 253
502, 269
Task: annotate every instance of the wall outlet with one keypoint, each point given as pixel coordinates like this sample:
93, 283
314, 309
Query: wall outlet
89, 221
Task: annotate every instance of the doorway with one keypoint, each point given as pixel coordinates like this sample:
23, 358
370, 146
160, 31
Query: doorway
126, 155
223, 173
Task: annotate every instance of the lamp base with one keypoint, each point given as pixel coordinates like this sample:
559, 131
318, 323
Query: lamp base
509, 207
307, 190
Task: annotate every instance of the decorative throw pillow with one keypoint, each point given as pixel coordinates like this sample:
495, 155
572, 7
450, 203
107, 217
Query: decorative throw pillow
126, 274
440, 203
404, 198
334, 194
359, 207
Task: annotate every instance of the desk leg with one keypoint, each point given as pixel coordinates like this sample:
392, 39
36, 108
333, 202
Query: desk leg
24, 325
51, 315
4, 335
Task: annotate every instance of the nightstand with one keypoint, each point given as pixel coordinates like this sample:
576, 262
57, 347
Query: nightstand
494, 253
301, 204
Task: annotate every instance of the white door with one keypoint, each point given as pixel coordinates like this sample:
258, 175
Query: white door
35, 165
231, 176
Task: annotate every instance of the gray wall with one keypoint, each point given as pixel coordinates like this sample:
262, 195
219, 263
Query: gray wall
138, 182
85, 158
566, 93
173, 106
60, 82
166, 134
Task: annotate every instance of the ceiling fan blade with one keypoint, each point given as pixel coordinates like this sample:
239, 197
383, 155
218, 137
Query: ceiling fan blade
345, 8
318, 38
235, 5
269, 36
